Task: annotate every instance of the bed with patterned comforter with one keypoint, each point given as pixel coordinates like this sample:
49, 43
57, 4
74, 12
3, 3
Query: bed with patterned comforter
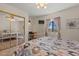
55, 47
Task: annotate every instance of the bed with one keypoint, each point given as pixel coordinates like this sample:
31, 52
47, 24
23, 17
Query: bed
51, 46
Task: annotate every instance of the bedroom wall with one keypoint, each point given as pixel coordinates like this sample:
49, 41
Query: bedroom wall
66, 33
36, 27
17, 11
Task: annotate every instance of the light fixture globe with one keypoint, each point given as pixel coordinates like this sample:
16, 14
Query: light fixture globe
41, 5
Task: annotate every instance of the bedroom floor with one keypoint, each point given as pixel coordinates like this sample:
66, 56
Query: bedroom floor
6, 44
7, 52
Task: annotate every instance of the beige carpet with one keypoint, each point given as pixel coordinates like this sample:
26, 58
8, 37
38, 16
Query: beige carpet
7, 52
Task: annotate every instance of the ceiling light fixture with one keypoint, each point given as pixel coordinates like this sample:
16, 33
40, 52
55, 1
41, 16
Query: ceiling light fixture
41, 5
11, 18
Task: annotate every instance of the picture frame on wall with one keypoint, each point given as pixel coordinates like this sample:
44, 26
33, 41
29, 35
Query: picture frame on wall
72, 23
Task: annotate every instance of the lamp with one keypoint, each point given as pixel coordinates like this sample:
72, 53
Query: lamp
11, 18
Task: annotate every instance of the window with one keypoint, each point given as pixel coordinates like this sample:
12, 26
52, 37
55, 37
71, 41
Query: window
52, 26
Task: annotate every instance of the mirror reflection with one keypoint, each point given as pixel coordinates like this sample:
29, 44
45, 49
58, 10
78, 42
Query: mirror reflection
11, 31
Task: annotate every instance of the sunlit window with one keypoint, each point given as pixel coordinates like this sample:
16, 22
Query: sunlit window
52, 26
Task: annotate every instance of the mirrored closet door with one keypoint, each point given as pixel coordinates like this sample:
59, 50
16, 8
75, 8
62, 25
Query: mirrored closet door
4, 31
11, 31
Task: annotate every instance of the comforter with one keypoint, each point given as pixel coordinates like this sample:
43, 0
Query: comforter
55, 47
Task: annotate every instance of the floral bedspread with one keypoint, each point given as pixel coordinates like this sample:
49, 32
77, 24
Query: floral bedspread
56, 47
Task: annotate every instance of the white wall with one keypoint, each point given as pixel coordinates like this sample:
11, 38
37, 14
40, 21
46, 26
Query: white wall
17, 11
66, 33
67, 14
36, 27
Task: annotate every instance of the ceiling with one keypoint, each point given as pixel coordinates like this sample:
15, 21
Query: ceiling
31, 9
